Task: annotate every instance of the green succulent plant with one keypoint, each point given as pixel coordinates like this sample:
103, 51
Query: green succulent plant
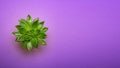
30, 32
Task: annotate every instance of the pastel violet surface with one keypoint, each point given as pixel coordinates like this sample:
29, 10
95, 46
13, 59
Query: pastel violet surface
31, 33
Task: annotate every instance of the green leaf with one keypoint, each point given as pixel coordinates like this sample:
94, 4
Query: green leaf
24, 45
19, 27
36, 20
44, 29
29, 46
27, 37
40, 25
17, 33
34, 42
43, 35
41, 41
29, 18
20, 38
35, 23
22, 31
22, 22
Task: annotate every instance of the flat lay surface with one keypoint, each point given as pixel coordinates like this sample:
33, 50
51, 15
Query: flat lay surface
82, 34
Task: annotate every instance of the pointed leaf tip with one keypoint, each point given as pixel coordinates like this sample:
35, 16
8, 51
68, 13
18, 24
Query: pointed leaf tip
17, 33
36, 20
29, 46
24, 45
35, 23
40, 25
29, 18
41, 41
44, 29
20, 38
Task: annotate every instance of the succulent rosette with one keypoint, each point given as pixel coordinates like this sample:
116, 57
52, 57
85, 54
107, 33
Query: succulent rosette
31, 33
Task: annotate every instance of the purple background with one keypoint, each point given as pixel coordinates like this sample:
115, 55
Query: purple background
82, 34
